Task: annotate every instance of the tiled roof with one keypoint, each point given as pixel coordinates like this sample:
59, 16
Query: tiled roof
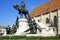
44, 8
2, 27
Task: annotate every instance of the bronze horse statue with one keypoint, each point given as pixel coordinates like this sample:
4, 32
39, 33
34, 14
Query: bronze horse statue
21, 8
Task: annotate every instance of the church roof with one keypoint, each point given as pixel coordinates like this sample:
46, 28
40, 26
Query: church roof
44, 8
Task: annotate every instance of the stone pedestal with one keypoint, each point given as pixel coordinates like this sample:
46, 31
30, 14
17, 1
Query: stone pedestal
45, 30
49, 32
23, 25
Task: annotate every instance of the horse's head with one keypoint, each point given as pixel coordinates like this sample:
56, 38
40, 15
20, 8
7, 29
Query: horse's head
17, 7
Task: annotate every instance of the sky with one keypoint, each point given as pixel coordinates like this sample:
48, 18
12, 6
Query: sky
8, 14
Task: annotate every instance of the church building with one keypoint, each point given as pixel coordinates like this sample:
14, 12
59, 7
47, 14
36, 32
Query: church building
49, 14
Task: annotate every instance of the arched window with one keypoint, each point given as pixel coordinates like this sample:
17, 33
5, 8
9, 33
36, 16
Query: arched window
55, 21
47, 20
38, 20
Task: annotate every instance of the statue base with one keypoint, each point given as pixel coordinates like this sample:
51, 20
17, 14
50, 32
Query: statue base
23, 25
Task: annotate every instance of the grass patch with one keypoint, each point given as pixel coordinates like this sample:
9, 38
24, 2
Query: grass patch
28, 38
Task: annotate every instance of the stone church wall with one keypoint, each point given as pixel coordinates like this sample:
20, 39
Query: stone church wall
44, 17
58, 21
50, 16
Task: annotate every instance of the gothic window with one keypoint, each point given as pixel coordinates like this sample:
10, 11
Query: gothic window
47, 20
38, 20
0, 30
55, 21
